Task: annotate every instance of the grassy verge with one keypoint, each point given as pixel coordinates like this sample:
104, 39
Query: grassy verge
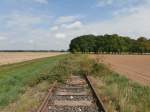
118, 93
122, 95
24, 85
30, 100
16, 79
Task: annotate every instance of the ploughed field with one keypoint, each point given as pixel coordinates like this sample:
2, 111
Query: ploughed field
135, 67
14, 57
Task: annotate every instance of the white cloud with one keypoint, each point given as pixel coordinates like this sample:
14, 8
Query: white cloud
74, 25
31, 41
60, 35
54, 28
18, 20
102, 3
133, 24
125, 11
119, 3
66, 19
23, 28
42, 1
3, 38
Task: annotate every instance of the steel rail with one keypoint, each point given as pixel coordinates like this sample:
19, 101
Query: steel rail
43, 107
95, 95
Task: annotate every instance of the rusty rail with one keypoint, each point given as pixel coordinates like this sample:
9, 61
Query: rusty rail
43, 107
95, 94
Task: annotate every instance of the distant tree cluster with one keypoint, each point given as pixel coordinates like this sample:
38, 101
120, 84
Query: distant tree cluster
109, 44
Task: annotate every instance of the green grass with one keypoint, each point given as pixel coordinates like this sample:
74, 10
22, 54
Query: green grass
125, 95
30, 100
16, 78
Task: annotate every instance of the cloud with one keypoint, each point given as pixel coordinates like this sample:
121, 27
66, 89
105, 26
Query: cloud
119, 3
66, 19
133, 24
74, 25
20, 21
31, 41
102, 3
24, 29
42, 1
54, 28
2, 38
60, 35
126, 11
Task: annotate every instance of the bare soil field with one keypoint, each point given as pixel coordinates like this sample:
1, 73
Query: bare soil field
135, 67
14, 57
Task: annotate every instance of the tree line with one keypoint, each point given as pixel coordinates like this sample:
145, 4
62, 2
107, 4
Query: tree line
109, 44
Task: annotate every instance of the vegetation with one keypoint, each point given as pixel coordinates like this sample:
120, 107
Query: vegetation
30, 100
123, 95
118, 93
24, 85
109, 44
15, 79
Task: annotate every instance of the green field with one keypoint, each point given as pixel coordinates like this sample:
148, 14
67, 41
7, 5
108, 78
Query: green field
15, 78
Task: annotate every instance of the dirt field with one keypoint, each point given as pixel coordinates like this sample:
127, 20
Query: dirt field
13, 57
135, 67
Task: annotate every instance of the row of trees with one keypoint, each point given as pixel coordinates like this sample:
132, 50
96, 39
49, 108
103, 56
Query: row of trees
109, 44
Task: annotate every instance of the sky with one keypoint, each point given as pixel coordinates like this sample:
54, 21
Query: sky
52, 24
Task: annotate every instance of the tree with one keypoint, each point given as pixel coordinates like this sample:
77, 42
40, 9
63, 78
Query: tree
109, 44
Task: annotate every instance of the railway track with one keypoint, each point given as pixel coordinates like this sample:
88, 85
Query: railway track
75, 95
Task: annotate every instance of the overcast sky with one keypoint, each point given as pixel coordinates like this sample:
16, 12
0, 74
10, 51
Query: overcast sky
51, 24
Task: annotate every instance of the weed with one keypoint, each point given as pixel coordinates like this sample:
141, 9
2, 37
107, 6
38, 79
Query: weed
119, 93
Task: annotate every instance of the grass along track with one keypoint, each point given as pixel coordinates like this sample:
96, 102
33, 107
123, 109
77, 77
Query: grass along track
122, 95
16, 78
118, 93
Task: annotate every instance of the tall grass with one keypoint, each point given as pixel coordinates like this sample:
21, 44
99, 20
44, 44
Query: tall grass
30, 100
125, 95
119, 93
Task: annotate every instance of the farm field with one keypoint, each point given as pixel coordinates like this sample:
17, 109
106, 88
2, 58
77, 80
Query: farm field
14, 57
135, 67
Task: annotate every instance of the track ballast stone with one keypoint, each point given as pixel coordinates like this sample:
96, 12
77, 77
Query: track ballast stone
73, 109
73, 96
